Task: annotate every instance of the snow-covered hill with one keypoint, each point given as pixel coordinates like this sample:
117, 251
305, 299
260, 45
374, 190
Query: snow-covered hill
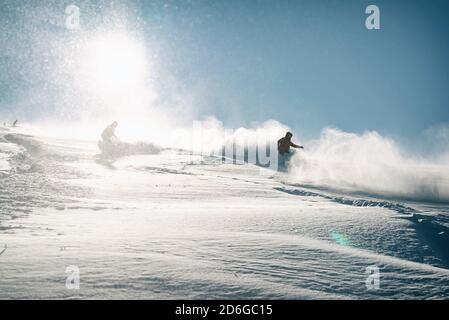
176, 225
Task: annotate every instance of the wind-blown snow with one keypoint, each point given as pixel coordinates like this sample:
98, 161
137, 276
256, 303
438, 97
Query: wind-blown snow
177, 225
372, 164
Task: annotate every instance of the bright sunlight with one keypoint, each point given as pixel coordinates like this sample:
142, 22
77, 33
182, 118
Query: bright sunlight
114, 62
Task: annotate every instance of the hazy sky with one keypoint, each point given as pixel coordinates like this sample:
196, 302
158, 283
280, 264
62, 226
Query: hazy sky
308, 64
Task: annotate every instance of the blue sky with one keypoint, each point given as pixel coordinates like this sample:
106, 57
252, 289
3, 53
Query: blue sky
308, 64
312, 64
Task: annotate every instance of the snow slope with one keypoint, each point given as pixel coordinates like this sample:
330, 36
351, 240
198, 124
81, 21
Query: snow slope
175, 225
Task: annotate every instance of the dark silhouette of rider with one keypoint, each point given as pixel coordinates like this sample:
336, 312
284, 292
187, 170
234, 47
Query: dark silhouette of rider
285, 143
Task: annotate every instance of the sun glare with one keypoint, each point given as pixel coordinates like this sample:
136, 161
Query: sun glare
112, 73
115, 62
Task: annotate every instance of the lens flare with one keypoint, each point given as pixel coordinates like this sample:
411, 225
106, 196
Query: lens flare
339, 238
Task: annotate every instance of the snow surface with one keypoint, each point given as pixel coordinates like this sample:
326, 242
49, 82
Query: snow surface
175, 225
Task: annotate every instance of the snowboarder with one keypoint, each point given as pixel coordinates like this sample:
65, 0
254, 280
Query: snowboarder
285, 143
285, 154
108, 134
